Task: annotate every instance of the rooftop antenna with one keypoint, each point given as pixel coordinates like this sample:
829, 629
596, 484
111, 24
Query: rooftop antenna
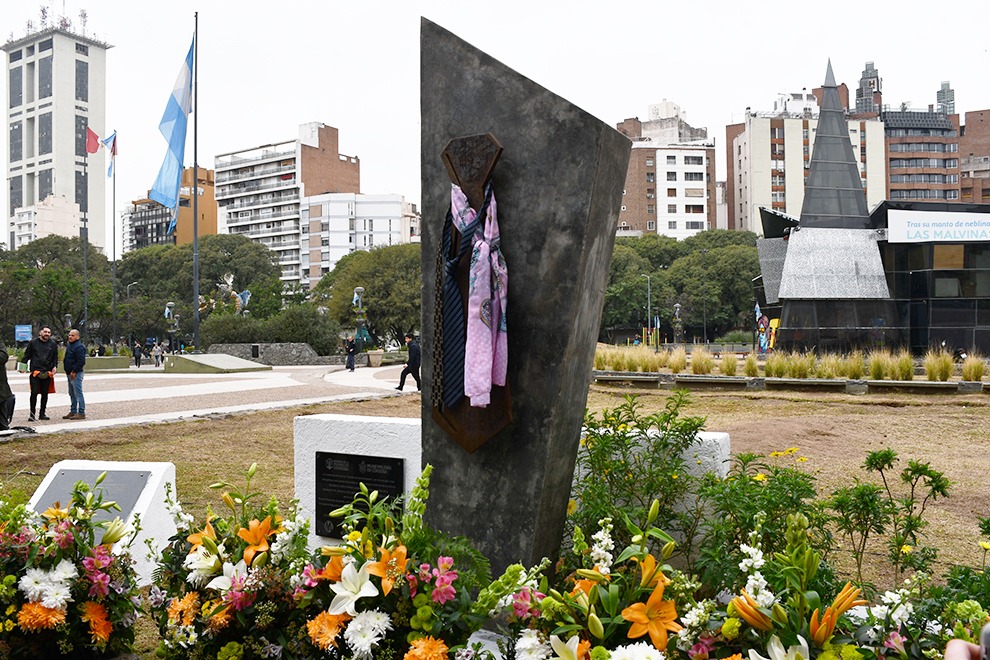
82, 20
44, 17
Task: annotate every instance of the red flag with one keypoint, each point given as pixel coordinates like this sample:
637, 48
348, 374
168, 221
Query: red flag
92, 141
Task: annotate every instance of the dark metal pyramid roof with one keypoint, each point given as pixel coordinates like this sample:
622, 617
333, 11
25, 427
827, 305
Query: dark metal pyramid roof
834, 195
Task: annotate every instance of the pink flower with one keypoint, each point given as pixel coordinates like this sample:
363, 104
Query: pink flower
413, 584
524, 603
424, 573
895, 641
310, 576
441, 594
236, 597
100, 584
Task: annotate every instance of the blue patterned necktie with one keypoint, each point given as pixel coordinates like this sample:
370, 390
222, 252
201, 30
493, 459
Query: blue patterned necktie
454, 325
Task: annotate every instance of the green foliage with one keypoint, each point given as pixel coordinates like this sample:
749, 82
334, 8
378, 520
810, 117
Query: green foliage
629, 459
752, 365
904, 366
860, 511
775, 365
295, 324
729, 364
392, 281
736, 337
853, 366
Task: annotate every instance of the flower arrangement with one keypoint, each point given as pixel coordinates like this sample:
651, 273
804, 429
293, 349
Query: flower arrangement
64, 590
227, 587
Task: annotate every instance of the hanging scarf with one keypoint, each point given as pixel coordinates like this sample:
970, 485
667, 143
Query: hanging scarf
486, 348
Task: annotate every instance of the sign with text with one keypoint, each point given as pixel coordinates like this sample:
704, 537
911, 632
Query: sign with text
337, 480
936, 227
22, 333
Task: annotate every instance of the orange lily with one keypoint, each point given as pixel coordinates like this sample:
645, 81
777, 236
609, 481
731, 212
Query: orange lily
197, 538
391, 567
822, 630
655, 617
584, 647
748, 610
650, 575
333, 569
55, 513
256, 536
847, 598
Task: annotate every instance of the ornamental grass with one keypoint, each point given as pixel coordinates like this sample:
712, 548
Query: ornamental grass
751, 367
938, 365
702, 362
854, 367
830, 365
904, 366
678, 360
973, 368
729, 363
775, 366
880, 364
800, 365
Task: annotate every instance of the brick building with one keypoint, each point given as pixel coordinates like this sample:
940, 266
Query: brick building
922, 154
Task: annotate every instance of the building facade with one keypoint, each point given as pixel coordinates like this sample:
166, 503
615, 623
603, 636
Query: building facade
146, 222
259, 190
56, 89
52, 216
769, 156
336, 224
922, 153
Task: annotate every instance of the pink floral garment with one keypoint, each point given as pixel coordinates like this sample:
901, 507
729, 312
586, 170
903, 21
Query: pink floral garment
486, 352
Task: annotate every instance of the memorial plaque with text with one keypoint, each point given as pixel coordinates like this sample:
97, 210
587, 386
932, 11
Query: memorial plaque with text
121, 486
337, 480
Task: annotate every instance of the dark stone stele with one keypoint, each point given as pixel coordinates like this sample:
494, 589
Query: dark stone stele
339, 476
121, 486
559, 187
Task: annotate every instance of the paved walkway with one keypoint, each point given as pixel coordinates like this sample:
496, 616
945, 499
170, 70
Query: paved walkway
149, 395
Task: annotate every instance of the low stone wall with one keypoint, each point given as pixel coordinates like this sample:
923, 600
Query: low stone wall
278, 355
102, 363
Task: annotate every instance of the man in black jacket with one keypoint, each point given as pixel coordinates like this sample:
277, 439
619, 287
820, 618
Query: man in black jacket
42, 358
6, 396
73, 363
412, 363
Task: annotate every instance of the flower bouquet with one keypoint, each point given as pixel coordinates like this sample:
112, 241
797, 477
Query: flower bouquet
226, 588
395, 588
63, 589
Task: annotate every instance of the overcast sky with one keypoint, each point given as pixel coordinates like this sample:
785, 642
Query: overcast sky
266, 67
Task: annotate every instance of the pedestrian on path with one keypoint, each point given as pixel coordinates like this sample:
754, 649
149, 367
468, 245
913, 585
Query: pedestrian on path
42, 358
350, 348
7, 398
73, 363
137, 354
157, 353
412, 363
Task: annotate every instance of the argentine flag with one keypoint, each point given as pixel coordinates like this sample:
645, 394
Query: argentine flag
165, 190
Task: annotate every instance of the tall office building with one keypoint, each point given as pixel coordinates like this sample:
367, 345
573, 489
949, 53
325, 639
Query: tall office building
922, 154
258, 190
945, 99
146, 222
56, 89
868, 95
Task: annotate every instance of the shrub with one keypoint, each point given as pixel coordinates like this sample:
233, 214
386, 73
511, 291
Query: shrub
800, 365
752, 366
729, 363
904, 366
678, 360
938, 365
854, 365
735, 337
973, 367
663, 357
775, 366
702, 361
880, 364
600, 358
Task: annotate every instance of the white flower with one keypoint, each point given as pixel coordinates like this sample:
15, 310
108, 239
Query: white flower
602, 546
354, 584
365, 631
777, 652
754, 558
565, 650
223, 582
638, 651
65, 571
56, 596
531, 646
202, 565
33, 583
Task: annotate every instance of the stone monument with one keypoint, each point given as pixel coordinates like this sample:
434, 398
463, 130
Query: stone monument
559, 184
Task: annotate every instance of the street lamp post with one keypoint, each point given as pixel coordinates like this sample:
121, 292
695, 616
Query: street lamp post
649, 315
128, 289
704, 299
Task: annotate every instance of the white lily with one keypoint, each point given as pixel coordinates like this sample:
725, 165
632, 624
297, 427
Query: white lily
202, 565
222, 583
354, 584
565, 650
777, 652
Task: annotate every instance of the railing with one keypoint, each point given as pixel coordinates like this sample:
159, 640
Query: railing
249, 189
256, 217
273, 230
236, 161
275, 201
255, 174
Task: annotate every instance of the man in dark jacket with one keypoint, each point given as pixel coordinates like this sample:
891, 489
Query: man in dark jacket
73, 363
412, 363
6, 396
42, 358
351, 349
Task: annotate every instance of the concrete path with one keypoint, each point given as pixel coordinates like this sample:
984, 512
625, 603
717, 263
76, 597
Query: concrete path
149, 395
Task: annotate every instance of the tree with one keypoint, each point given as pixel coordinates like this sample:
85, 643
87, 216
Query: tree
392, 281
660, 251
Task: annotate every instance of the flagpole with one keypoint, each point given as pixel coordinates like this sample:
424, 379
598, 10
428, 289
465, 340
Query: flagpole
113, 233
85, 234
195, 186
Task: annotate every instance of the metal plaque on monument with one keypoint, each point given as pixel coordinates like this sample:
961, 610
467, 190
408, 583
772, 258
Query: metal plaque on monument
559, 180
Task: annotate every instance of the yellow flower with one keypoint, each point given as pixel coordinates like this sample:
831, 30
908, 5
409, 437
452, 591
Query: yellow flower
256, 536
571, 507
183, 612
673, 476
655, 617
748, 610
10, 609
759, 476
8, 625
906, 549
790, 450
391, 567
985, 545
802, 459
775, 454
197, 538
55, 513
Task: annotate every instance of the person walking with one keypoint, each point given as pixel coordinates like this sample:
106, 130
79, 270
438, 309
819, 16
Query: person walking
137, 354
351, 349
156, 352
412, 363
7, 398
73, 363
42, 358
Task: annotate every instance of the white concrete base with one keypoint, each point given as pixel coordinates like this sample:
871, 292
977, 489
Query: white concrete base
157, 525
710, 453
387, 437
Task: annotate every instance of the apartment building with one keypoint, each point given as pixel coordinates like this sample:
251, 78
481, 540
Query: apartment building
52, 216
259, 190
336, 224
146, 222
769, 154
922, 154
670, 182
56, 89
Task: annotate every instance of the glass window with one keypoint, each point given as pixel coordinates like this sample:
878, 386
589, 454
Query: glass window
671, 192
649, 162
671, 176
651, 177
15, 55
82, 49
45, 45
16, 196
651, 225
651, 209
672, 224
44, 184
81, 124
45, 133
82, 80
671, 208
82, 192
672, 160
45, 77
694, 160
16, 86
694, 176
16, 141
